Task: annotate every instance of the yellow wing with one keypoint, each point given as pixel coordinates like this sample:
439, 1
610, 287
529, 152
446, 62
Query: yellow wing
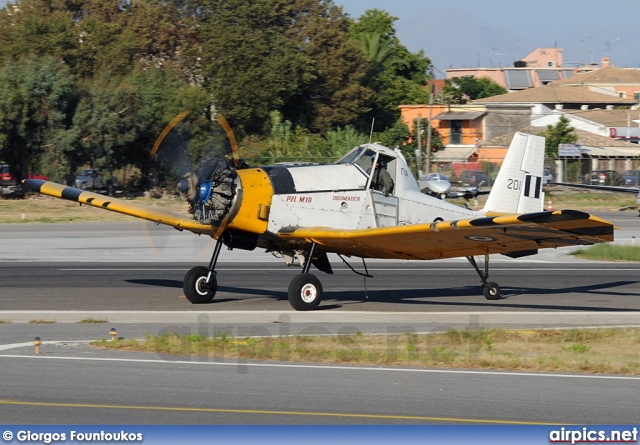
180, 222
449, 239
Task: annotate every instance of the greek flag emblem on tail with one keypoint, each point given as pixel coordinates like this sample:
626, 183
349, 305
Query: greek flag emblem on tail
532, 186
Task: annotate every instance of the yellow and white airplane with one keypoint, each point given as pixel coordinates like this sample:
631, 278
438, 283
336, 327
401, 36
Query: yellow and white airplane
307, 211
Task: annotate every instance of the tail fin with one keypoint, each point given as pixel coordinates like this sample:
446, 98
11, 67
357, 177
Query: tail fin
518, 186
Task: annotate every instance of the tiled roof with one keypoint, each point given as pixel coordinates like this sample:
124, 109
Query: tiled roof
556, 94
604, 76
585, 138
459, 115
609, 118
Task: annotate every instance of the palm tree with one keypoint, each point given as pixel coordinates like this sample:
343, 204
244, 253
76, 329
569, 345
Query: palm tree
379, 53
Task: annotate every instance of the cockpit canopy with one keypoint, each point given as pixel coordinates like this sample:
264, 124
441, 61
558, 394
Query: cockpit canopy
363, 157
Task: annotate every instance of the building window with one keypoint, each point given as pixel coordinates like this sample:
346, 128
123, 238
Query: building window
548, 76
518, 79
455, 137
636, 96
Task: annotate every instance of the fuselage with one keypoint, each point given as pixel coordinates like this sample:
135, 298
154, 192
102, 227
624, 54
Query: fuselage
338, 195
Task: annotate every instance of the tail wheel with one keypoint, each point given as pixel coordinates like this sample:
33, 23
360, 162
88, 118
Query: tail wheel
491, 291
305, 292
196, 288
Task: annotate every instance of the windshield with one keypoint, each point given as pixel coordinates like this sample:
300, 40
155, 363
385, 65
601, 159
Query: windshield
436, 177
351, 156
362, 157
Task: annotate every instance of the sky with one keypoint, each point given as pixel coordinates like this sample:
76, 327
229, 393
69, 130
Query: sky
492, 33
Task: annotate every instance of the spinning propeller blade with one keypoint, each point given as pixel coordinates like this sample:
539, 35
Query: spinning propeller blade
208, 185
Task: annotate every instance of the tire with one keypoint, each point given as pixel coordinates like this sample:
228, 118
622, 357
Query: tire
491, 291
305, 292
195, 288
83, 186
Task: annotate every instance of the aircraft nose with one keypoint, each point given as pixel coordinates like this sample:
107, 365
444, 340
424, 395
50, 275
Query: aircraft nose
183, 186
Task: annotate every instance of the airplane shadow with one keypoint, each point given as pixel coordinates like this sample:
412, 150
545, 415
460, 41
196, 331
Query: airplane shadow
156, 282
434, 297
431, 297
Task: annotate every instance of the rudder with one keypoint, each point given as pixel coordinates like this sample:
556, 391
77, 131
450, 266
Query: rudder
518, 186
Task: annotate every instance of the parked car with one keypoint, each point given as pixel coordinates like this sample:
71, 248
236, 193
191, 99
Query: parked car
5, 176
7, 179
632, 177
473, 178
91, 179
547, 176
607, 177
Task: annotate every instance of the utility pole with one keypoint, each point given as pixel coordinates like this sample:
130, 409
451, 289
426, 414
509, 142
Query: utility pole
418, 119
428, 149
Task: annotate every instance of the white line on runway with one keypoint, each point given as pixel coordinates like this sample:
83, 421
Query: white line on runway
317, 314
330, 367
48, 342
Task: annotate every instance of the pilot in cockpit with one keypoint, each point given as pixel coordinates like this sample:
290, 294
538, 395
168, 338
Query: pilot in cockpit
381, 179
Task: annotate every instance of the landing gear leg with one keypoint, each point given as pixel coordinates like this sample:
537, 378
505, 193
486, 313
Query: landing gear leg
305, 290
490, 289
200, 283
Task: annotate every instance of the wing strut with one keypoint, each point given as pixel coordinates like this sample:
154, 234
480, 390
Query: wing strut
365, 275
490, 289
366, 272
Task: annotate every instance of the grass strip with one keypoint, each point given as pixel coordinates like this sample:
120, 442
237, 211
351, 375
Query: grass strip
592, 351
609, 252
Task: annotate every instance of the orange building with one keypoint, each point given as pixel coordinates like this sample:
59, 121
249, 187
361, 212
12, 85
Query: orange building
455, 124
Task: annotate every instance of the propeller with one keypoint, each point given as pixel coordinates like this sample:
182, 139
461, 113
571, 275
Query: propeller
209, 185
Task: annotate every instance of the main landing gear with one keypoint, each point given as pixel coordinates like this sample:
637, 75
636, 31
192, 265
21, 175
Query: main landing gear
490, 290
200, 283
305, 290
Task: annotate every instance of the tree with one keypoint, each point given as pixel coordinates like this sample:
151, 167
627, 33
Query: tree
460, 90
560, 133
332, 93
297, 144
396, 76
37, 97
106, 122
37, 27
378, 53
119, 119
279, 55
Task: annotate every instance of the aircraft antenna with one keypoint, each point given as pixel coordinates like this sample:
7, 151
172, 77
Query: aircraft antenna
373, 121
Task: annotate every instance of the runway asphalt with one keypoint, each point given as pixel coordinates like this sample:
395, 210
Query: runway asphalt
128, 276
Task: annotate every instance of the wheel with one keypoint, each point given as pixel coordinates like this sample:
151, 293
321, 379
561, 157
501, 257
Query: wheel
305, 292
196, 289
83, 186
491, 291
